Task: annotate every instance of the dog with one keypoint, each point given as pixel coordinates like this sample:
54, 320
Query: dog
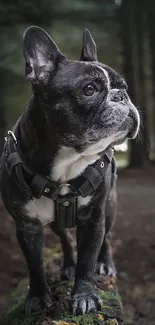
58, 168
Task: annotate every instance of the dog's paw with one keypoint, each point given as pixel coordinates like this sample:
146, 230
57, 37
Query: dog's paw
68, 273
84, 303
36, 304
106, 269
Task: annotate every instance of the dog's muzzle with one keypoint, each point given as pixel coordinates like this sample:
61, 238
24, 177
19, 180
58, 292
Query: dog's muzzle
120, 98
135, 122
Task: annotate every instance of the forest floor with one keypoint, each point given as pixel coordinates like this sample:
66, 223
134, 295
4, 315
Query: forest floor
133, 246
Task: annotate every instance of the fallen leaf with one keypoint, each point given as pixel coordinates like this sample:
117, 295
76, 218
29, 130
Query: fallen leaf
100, 317
113, 322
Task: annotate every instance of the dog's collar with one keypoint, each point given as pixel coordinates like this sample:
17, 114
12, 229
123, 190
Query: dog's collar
35, 185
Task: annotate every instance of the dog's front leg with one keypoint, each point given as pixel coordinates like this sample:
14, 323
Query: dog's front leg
89, 239
68, 270
30, 238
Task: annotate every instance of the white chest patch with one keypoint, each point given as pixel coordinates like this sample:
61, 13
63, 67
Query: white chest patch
68, 164
41, 209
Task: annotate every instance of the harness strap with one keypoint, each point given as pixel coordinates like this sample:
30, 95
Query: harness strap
90, 179
93, 176
15, 166
41, 185
13, 160
32, 184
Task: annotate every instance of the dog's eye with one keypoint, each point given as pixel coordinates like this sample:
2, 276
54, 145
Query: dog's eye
89, 90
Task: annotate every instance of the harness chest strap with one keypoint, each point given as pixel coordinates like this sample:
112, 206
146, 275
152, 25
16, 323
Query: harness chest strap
65, 206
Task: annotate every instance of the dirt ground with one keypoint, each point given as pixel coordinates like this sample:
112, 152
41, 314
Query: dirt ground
133, 246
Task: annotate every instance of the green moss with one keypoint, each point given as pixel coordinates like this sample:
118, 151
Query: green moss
84, 320
110, 295
19, 295
48, 254
111, 303
15, 316
112, 306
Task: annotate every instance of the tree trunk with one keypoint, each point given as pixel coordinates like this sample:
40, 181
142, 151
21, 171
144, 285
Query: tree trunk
2, 123
150, 18
133, 68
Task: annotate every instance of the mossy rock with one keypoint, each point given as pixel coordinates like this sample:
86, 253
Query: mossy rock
111, 313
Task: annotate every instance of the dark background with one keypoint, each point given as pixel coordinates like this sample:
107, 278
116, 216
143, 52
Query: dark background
125, 35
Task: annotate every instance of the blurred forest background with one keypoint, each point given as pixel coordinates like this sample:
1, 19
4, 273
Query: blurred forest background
124, 31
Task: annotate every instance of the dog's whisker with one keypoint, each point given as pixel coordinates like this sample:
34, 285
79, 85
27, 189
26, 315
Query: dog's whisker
139, 138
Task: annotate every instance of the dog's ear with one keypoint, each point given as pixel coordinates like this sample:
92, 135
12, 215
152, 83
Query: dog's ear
41, 55
89, 51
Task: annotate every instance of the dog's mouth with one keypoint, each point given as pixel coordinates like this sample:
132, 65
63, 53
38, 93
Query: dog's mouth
135, 124
131, 124
127, 130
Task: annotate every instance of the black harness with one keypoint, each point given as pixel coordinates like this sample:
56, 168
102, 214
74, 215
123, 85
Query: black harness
35, 185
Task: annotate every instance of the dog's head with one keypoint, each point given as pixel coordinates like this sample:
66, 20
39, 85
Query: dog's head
85, 101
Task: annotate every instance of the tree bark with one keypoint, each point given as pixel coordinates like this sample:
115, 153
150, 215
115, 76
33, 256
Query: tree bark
2, 127
2, 113
150, 19
133, 68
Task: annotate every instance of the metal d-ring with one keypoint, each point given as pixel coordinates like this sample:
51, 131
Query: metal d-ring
12, 134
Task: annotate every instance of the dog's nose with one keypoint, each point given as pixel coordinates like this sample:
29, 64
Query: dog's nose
116, 95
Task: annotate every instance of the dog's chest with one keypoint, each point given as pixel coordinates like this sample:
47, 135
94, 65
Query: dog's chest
68, 164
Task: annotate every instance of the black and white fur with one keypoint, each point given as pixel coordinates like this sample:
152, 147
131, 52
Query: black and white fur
77, 111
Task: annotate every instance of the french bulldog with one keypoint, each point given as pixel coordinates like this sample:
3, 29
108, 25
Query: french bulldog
78, 111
